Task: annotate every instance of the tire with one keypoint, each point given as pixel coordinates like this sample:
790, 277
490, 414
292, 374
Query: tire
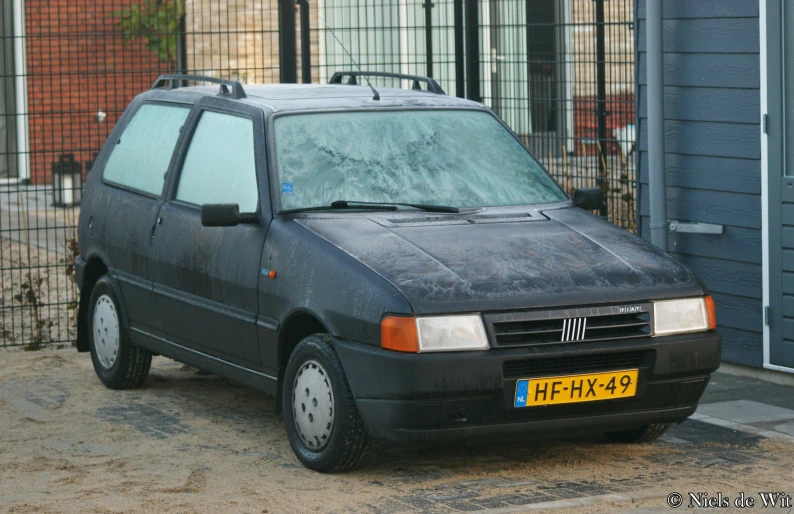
644, 434
117, 362
329, 439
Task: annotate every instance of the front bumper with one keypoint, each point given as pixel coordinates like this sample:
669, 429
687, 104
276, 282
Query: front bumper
469, 395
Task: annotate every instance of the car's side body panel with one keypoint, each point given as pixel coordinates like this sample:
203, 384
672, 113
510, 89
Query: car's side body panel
314, 277
205, 283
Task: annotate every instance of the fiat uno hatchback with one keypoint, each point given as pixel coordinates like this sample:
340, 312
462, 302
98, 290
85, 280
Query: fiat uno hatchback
388, 263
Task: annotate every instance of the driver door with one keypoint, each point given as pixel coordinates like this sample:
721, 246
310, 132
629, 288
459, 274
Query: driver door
205, 278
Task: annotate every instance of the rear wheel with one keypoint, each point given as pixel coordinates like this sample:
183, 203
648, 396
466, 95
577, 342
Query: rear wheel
320, 414
644, 434
117, 362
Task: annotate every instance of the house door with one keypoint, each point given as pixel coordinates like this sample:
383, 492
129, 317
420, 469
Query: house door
524, 52
780, 181
8, 166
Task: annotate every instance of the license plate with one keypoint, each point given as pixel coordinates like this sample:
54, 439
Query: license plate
591, 387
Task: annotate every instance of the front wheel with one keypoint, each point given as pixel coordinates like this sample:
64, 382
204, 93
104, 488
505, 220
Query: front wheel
644, 434
322, 421
118, 364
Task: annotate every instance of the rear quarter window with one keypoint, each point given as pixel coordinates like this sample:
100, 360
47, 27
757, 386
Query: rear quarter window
141, 156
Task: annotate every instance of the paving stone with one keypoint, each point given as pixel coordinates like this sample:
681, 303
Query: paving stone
700, 432
514, 499
785, 428
565, 494
464, 506
539, 499
747, 389
493, 502
746, 411
670, 439
724, 382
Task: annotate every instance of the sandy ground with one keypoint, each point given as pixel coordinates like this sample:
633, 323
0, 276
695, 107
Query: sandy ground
191, 442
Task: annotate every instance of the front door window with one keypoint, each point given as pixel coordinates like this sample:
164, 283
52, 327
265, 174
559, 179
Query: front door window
220, 166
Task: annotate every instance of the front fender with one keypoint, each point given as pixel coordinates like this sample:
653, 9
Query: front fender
314, 276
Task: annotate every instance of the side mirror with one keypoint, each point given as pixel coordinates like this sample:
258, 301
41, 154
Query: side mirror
224, 215
589, 199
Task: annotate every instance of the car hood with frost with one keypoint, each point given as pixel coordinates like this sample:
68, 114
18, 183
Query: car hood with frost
500, 259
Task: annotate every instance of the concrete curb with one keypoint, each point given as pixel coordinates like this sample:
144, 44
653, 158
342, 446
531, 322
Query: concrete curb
765, 375
586, 501
740, 427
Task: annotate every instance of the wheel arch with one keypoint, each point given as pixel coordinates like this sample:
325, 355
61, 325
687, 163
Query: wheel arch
94, 269
297, 326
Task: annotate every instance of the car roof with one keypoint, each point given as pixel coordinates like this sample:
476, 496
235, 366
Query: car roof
302, 97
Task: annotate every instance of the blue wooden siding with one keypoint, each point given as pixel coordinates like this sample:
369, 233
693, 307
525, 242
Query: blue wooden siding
788, 272
713, 152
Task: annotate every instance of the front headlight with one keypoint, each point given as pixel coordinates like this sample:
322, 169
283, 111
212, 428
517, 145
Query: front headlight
683, 316
434, 333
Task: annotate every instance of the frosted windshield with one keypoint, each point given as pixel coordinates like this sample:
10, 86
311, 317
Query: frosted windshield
457, 158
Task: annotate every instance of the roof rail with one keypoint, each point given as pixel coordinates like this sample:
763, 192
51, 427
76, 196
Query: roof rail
432, 85
171, 82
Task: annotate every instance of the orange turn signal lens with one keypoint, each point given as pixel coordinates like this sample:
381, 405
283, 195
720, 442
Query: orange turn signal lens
712, 312
398, 333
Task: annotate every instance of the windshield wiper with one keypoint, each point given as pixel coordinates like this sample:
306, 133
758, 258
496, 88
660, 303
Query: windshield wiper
342, 204
352, 204
380, 206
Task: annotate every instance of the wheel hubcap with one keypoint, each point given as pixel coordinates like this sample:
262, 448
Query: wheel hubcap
313, 405
106, 331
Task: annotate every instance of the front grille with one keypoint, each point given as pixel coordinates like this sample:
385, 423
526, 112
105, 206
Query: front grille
551, 366
570, 325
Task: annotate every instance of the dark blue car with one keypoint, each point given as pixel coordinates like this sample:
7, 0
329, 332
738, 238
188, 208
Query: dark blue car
391, 264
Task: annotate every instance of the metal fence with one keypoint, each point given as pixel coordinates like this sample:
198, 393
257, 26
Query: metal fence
559, 72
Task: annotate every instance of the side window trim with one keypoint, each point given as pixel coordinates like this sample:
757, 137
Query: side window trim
189, 119
172, 184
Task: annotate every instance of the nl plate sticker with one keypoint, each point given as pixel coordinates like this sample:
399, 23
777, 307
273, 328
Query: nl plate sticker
286, 188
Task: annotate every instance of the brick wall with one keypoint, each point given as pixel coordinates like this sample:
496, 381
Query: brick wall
78, 65
621, 113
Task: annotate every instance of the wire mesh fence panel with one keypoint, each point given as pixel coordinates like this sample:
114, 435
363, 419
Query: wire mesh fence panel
410, 37
559, 72
68, 69
542, 72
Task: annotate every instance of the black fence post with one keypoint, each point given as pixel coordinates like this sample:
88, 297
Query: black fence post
601, 105
460, 69
181, 50
288, 58
306, 44
472, 51
428, 5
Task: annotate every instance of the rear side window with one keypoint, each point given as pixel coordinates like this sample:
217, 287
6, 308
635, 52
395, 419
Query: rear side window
140, 158
220, 166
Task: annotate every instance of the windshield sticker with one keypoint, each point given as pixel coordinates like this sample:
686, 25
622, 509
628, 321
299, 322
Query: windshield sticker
286, 188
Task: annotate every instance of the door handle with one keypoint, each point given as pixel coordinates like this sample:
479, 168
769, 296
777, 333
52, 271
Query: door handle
159, 221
